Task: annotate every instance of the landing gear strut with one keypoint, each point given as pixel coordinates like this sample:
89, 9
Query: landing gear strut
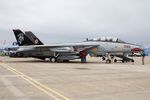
108, 58
108, 61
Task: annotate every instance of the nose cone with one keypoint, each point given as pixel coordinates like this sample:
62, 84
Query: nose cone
136, 48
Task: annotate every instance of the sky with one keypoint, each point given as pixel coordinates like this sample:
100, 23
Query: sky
60, 21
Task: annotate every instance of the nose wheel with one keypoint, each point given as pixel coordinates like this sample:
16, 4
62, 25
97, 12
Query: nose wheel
115, 60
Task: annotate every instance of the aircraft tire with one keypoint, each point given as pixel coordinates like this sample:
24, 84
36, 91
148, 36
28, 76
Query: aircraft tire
103, 58
108, 61
132, 60
53, 59
115, 60
122, 61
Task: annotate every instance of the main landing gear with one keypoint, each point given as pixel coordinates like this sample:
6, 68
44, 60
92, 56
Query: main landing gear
108, 59
53, 59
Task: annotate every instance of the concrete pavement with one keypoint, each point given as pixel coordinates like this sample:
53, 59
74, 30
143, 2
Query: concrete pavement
28, 78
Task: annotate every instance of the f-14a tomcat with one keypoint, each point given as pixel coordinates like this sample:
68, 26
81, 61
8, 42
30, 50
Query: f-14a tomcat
31, 46
105, 47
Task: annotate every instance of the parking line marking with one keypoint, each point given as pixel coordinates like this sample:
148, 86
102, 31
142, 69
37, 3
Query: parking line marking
54, 94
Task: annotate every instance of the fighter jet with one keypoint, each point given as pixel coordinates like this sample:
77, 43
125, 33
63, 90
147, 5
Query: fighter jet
104, 47
33, 47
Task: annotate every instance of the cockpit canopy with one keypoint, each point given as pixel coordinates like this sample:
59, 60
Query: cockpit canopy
107, 39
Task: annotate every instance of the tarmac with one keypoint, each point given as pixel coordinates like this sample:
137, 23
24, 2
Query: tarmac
33, 79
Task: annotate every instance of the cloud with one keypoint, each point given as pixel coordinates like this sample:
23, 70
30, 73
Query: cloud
74, 20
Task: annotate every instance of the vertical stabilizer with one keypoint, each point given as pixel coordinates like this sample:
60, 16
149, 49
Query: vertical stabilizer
33, 38
21, 38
